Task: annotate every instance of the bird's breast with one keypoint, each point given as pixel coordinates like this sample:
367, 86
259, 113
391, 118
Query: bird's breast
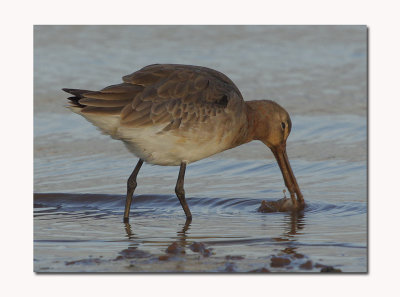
174, 146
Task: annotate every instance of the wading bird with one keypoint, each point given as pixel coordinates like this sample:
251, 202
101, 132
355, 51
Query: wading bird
173, 115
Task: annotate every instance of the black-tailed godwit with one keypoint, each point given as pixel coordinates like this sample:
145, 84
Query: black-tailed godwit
173, 115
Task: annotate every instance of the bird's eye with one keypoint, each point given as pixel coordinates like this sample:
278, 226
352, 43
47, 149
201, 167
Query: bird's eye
283, 125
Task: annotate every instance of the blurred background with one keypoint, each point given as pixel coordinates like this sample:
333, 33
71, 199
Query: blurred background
317, 73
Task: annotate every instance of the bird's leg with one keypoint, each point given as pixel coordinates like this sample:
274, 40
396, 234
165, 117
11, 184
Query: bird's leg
180, 192
130, 189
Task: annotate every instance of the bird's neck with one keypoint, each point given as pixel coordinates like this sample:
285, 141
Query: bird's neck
253, 120
248, 126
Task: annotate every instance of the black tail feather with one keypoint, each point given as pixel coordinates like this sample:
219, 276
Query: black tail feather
78, 94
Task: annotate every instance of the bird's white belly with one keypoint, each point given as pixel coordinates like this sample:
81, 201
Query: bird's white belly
167, 148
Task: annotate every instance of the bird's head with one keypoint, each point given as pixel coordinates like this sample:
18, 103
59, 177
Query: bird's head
272, 126
273, 123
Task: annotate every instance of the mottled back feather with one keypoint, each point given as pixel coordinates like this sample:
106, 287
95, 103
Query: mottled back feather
179, 96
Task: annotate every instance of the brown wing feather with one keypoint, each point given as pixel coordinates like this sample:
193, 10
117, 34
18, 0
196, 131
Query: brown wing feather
166, 93
179, 94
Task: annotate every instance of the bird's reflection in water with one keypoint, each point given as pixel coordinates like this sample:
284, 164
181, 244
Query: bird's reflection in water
132, 251
128, 230
175, 250
181, 234
294, 223
178, 246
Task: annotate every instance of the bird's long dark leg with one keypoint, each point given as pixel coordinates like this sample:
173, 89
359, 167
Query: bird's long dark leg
130, 189
180, 192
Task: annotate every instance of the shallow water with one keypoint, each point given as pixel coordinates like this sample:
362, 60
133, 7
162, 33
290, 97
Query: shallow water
323, 87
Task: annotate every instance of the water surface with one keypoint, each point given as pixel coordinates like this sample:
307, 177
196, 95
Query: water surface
317, 73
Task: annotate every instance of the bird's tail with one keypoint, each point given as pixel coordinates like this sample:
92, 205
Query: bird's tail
78, 94
97, 111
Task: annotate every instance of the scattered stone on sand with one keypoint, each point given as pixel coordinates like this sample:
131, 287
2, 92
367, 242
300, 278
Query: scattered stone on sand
199, 247
330, 269
307, 265
326, 268
292, 252
279, 261
289, 250
163, 257
131, 253
175, 248
229, 257
281, 205
260, 270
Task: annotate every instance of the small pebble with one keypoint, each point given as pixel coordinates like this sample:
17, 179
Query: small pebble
330, 269
279, 262
175, 248
132, 253
163, 257
298, 256
307, 265
199, 247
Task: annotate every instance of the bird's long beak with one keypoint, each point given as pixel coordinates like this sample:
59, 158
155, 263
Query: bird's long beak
288, 176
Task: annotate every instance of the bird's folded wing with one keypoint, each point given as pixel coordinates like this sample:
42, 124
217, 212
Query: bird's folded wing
170, 94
